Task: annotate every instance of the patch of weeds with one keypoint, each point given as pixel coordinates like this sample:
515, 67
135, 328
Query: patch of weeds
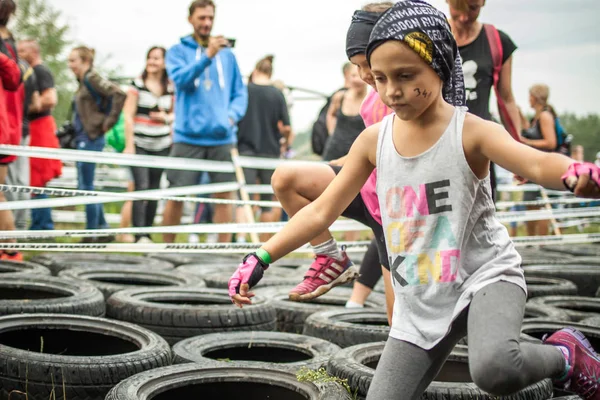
321, 376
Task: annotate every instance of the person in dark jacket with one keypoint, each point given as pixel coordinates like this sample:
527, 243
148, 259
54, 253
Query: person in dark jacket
96, 109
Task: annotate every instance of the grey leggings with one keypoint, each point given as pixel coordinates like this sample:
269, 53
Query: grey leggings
499, 364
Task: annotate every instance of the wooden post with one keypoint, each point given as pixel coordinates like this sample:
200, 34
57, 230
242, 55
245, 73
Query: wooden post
239, 173
548, 207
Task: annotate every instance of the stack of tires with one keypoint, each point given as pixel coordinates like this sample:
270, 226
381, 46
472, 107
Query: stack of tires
102, 326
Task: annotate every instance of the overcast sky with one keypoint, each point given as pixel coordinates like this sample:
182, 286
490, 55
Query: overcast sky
558, 40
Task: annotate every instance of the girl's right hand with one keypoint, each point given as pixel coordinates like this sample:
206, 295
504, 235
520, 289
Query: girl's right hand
247, 275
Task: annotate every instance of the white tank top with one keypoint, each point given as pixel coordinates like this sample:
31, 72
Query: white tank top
442, 237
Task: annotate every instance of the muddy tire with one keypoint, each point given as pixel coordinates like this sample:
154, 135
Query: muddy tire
585, 276
540, 286
180, 313
348, 327
358, 363
110, 280
178, 259
577, 308
270, 349
65, 356
56, 262
13, 268
585, 250
533, 310
191, 381
26, 294
291, 315
540, 327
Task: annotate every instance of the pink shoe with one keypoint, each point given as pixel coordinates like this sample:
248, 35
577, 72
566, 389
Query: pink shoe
583, 376
324, 274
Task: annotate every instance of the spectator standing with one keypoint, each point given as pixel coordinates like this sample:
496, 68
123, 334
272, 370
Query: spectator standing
478, 65
96, 109
148, 114
265, 131
42, 128
18, 171
344, 122
539, 133
11, 112
211, 99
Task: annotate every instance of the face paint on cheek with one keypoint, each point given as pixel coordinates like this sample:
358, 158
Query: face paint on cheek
422, 92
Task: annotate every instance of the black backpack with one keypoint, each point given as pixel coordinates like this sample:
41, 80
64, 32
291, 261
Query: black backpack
319, 134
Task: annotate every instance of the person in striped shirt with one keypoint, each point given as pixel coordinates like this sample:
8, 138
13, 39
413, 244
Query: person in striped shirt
148, 113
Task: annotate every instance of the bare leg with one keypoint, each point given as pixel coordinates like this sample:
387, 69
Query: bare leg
223, 215
172, 216
240, 218
295, 191
126, 217
7, 222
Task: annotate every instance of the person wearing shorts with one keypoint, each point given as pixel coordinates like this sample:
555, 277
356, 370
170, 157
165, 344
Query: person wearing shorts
265, 131
211, 99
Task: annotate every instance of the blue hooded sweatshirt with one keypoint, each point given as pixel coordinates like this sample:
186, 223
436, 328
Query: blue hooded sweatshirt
209, 94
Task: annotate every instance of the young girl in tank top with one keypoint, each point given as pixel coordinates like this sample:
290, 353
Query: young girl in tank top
455, 270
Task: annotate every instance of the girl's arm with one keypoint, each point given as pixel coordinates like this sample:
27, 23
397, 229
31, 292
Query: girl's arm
323, 212
129, 111
331, 120
548, 141
312, 219
484, 140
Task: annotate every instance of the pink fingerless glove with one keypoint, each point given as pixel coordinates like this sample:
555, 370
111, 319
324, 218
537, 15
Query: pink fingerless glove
250, 271
570, 177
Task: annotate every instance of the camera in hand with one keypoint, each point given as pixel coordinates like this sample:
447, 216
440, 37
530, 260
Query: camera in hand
231, 42
66, 136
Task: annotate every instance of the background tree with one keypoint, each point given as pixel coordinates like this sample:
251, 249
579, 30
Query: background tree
585, 131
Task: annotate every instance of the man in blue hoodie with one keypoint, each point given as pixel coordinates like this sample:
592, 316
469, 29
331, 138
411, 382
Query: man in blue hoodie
211, 99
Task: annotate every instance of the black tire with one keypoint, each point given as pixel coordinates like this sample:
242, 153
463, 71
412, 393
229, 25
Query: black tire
541, 257
578, 308
113, 279
270, 349
585, 276
291, 315
581, 250
180, 313
178, 259
219, 274
191, 381
27, 294
99, 354
13, 268
348, 327
538, 286
540, 327
593, 321
358, 363
220, 280
56, 262
533, 310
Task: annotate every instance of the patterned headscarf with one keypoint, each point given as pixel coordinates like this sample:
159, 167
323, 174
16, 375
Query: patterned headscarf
359, 32
426, 31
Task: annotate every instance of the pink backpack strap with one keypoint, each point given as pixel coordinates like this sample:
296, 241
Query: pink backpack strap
497, 51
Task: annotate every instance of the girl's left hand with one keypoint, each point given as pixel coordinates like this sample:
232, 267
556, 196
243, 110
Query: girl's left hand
583, 179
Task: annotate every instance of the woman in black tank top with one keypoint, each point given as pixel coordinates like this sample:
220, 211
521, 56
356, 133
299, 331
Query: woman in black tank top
344, 120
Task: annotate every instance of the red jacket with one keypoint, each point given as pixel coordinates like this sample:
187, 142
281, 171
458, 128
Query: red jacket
12, 96
10, 80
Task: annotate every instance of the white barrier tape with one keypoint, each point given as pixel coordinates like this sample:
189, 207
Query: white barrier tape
137, 160
241, 248
263, 227
528, 187
569, 200
246, 248
540, 215
96, 197
579, 222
